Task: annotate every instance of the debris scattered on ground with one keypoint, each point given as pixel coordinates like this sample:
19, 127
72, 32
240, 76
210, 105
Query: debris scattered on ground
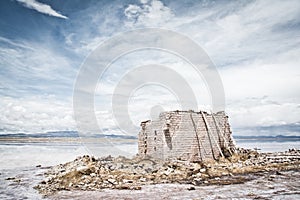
90, 174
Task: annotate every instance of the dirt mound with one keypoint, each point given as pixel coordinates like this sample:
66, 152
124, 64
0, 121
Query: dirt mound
89, 173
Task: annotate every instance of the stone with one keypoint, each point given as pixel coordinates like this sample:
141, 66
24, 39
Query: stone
127, 181
278, 173
10, 178
82, 168
107, 174
202, 170
143, 179
136, 188
168, 171
191, 188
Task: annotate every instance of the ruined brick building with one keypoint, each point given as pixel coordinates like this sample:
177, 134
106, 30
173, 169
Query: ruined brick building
186, 135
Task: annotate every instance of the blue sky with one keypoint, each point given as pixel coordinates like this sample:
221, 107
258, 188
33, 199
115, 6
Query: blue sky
254, 44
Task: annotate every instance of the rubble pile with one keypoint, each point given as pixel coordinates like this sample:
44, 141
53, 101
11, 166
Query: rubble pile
89, 173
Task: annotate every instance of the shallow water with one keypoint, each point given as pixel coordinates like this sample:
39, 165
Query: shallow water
268, 146
14, 155
22, 186
19, 160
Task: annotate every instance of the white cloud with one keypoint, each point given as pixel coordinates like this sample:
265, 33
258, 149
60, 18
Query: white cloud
152, 13
255, 46
35, 114
29, 67
42, 8
263, 92
276, 80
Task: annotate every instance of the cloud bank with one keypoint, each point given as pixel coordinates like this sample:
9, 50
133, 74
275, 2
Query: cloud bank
254, 44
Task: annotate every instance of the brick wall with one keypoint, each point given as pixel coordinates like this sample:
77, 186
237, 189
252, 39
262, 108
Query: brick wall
186, 135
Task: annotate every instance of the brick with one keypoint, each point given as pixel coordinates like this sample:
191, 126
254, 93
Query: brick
187, 135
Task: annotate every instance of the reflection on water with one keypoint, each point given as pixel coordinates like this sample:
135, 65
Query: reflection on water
268, 146
21, 184
26, 154
47, 154
18, 162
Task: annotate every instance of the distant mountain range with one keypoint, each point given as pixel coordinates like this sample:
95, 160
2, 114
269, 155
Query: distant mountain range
64, 134
292, 129
269, 138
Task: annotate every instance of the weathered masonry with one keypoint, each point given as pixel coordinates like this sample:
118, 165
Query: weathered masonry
186, 135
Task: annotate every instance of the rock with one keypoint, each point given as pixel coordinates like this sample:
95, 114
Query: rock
136, 188
198, 179
202, 170
278, 173
88, 173
270, 186
191, 188
38, 166
17, 180
108, 158
123, 187
112, 181
127, 181
10, 178
143, 179
168, 171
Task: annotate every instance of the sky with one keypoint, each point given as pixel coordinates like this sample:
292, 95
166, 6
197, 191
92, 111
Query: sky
255, 46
